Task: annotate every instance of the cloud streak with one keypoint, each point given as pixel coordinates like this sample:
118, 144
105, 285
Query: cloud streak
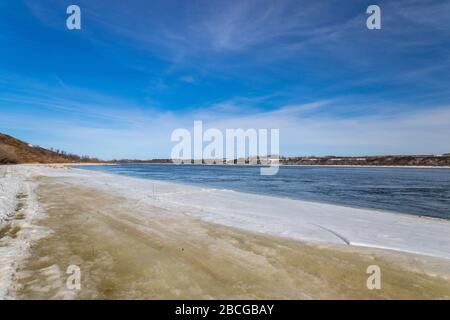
306, 129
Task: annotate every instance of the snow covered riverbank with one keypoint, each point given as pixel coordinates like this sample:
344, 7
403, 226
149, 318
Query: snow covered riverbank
300, 220
10, 186
18, 207
151, 239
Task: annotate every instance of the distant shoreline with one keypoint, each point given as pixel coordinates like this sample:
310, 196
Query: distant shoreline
232, 165
254, 165
14, 151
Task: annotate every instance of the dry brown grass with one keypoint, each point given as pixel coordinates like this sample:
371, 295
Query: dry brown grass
14, 151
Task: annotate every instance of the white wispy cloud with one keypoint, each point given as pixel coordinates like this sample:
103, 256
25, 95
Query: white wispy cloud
227, 36
143, 133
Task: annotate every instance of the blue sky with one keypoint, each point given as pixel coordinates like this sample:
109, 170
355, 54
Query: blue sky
140, 69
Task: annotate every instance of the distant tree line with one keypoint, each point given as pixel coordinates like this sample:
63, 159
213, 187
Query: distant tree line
74, 157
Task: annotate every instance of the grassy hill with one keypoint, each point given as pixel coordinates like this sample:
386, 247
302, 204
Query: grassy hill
14, 151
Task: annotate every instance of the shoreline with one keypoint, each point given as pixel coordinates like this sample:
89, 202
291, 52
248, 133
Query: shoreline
188, 185
295, 219
137, 238
228, 165
260, 165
